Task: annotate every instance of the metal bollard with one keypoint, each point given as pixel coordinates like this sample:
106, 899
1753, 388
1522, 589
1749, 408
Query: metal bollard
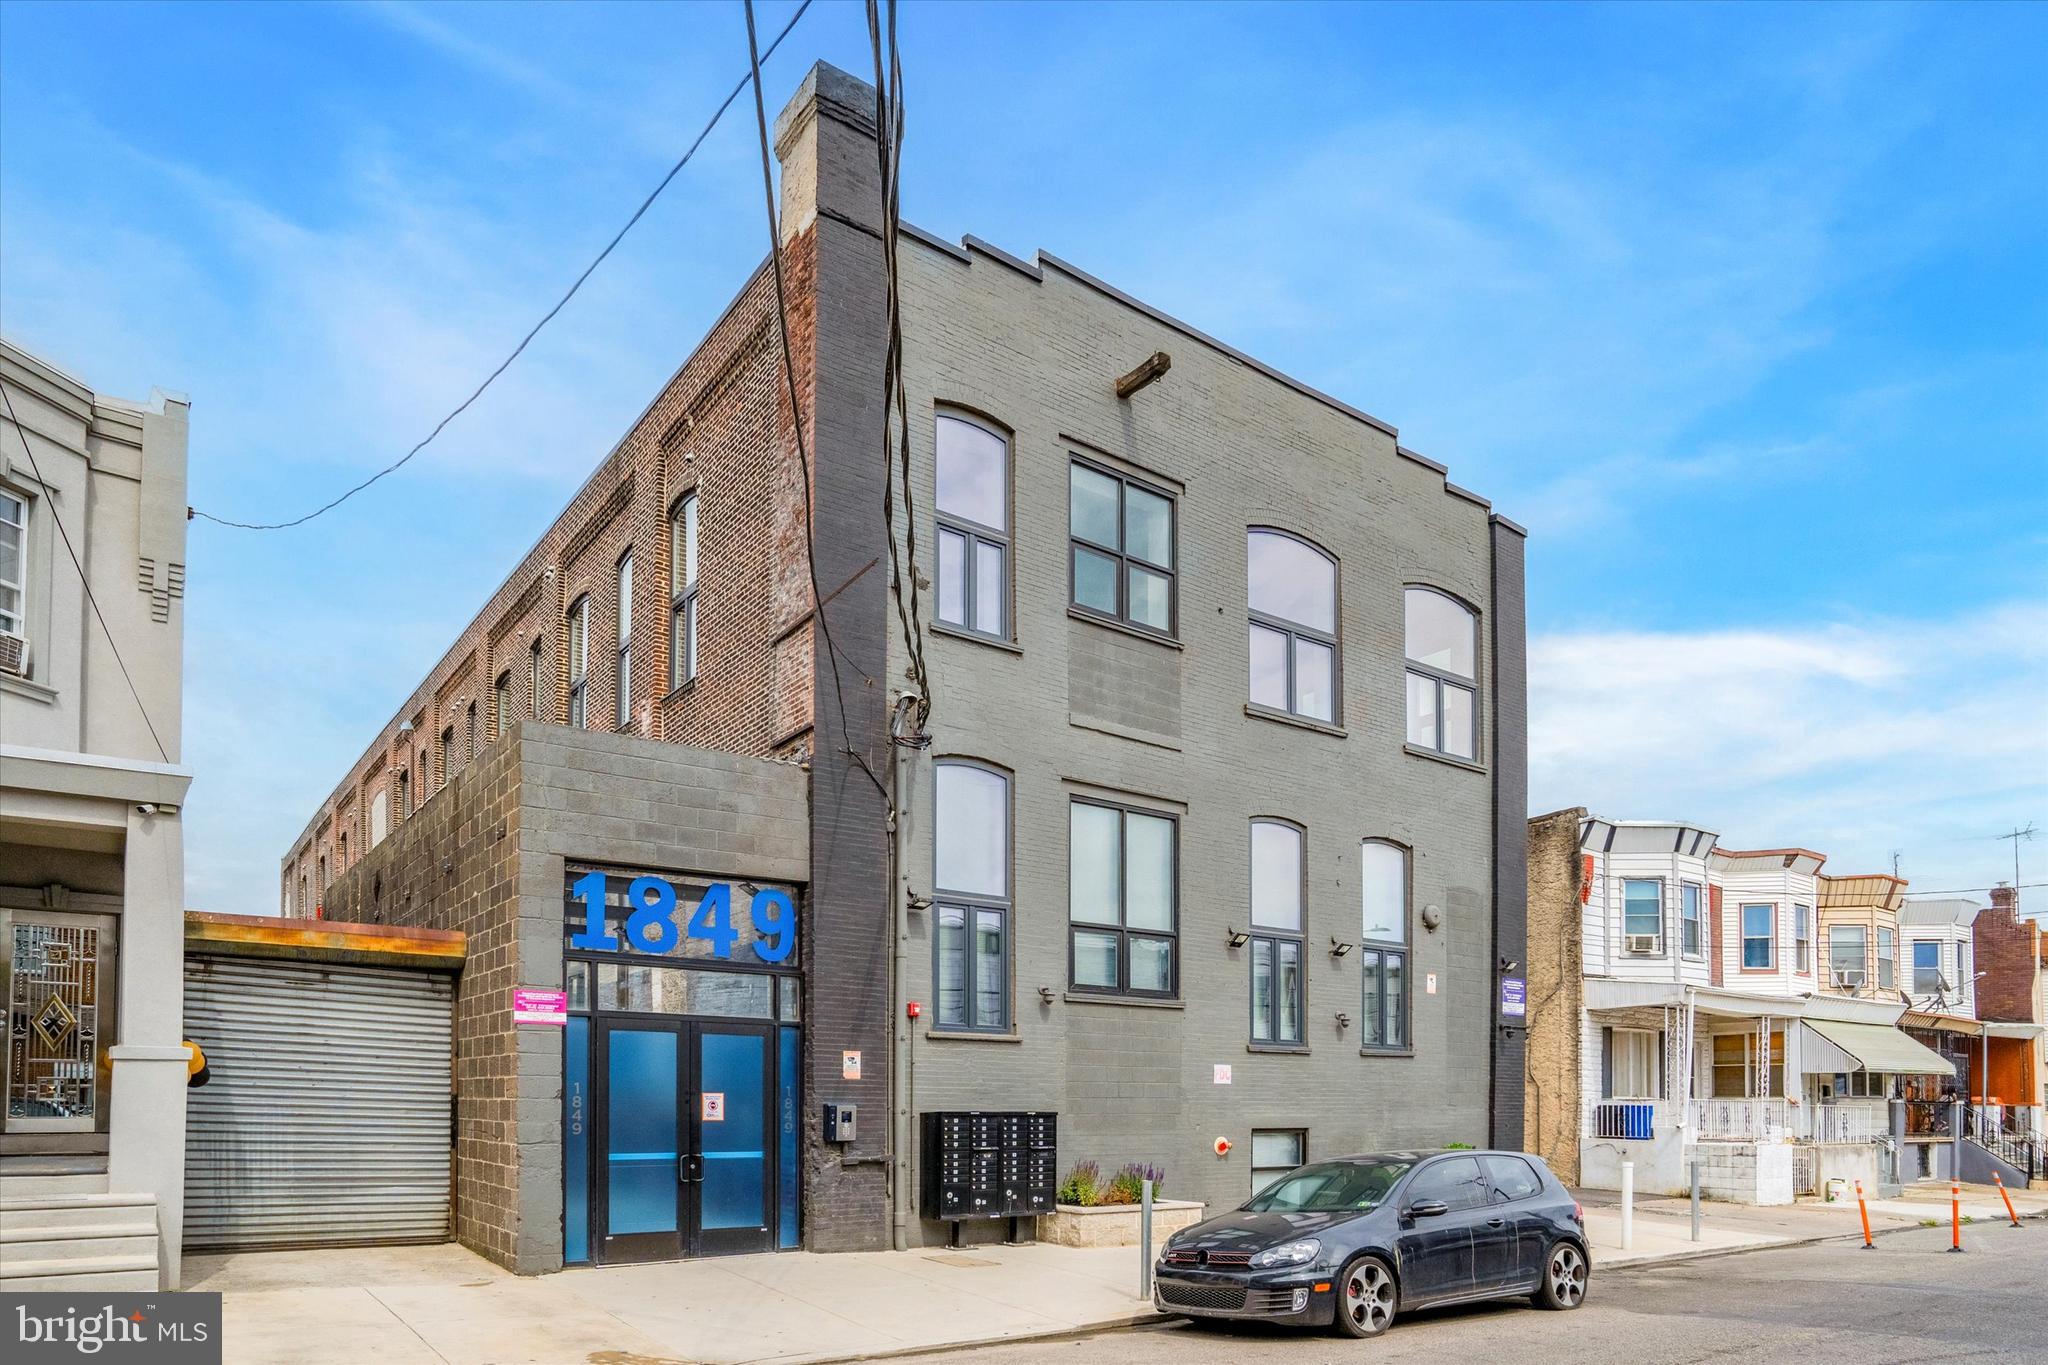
1695, 1199
1145, 1243
1628, 1203
2006, 1195
1955, 1215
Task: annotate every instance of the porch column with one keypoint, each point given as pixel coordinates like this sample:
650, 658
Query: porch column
146, 1118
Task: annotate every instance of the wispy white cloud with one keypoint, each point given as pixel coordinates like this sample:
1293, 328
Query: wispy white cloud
474, 53
1857, 738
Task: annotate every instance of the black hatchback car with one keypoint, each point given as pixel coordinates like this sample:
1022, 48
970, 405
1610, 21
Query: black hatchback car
1352, 1241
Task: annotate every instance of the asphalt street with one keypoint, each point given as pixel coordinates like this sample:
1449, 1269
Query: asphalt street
1907, 1301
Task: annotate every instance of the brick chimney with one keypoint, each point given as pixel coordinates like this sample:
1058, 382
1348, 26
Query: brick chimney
2005, 954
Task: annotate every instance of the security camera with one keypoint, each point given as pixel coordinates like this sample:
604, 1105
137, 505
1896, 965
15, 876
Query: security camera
145, 809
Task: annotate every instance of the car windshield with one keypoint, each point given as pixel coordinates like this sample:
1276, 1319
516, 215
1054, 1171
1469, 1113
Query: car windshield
1330, 1187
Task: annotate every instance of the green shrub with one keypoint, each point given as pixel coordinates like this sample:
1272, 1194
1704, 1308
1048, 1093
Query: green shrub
1082, 1185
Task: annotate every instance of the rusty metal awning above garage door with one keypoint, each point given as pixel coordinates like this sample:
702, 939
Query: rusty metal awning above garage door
322, 940
327, 1118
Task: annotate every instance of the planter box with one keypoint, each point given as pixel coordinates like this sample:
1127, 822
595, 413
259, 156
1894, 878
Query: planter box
1116, 1225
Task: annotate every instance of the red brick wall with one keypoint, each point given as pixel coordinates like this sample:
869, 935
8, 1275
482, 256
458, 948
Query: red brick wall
2005, 951
722, 427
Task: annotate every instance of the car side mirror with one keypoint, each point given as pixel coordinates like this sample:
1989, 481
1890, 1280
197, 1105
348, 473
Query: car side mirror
1428, 1208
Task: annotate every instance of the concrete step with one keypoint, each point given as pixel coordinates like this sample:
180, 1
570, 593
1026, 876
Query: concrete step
84, 1274
44, 1186
77, 1211
76, 1244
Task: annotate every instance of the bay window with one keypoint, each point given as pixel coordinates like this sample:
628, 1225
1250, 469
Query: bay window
1887, 959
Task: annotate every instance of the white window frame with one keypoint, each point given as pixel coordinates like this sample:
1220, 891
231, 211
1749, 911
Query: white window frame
579, 659
14, 619
1692, 920
973, 536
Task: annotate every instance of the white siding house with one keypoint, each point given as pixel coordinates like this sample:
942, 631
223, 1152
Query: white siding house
1770, 931
1937, 967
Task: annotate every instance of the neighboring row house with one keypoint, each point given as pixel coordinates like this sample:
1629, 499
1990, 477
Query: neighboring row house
1215, 828
1742, 1008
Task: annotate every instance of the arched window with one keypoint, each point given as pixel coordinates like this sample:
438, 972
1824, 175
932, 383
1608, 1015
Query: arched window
1383, 946
1278, 890
622, 676
974, 526
1443, 674
682, 591
533, 681
447, 756
579, 657
1291, 589
971, 900
469, 732
501, 705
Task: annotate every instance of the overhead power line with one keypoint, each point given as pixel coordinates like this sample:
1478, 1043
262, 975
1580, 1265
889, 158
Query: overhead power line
546, 318
21, 432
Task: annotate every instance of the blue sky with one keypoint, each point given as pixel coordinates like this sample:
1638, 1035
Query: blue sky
1743, 310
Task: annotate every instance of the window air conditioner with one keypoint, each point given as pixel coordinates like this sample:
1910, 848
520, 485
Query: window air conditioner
1642, 943
13, 654
1848, 980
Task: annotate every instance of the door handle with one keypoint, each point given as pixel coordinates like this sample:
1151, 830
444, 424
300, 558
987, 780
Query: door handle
689, 1168
1496, 1222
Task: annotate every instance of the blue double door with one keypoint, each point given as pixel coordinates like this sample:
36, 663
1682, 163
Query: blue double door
685, 1139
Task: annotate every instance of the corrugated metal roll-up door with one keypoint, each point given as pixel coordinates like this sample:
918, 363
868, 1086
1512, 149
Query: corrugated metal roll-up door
326, 1121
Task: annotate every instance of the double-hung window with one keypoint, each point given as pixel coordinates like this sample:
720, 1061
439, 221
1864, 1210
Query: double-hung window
1443, 672
974, 526
971, 881
1692, 919
1642, 916
579, 658
13, 564
1966, 979
501, 705
469, 732
1759, 937
1887, 959
1122, 548
533, 677
447, 755
682, 592
622, 676
1802, 939
1122, 875
1291, 589
1383, 947
1926, 966
1848, 947
1632, 1064
1277, 932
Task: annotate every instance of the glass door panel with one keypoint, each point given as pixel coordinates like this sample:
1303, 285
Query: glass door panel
732, 1109
59, 1008
643, 1165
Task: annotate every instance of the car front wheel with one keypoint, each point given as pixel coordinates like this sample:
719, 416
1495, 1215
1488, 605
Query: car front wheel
1564, 1278
1366, 1298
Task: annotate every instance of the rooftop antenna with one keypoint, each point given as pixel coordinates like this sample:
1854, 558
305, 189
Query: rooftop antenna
1895, 863
2018, 836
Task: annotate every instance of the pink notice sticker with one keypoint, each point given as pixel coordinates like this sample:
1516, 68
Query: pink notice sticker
540, 1007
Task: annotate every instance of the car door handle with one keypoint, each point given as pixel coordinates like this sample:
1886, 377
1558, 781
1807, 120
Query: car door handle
1496, 1222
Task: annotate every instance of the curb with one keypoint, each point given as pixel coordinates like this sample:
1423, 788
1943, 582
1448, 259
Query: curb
1139, 1323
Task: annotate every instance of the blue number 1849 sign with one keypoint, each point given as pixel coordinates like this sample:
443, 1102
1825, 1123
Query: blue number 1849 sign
651, 926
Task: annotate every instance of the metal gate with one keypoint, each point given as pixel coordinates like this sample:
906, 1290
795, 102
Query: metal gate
326, 1121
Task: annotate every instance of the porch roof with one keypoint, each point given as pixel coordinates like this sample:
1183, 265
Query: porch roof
1606, 993
1871, 1047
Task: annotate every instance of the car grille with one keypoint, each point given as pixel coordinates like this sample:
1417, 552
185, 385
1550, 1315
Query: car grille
1227, 1298
1233, 1299
1215, 1258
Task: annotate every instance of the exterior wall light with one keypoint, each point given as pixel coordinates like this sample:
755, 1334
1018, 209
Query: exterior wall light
1343, 1021
1237, 938
1045, 995
1338, 949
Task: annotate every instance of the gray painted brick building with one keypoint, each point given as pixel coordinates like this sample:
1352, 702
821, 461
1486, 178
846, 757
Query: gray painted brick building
1215, 829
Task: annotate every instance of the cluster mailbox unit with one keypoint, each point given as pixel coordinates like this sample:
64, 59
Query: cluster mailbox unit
989, 1165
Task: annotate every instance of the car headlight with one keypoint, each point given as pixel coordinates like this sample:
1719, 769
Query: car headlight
1290, 1253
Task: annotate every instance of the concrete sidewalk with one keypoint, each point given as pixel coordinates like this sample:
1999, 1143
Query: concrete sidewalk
443, 1305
